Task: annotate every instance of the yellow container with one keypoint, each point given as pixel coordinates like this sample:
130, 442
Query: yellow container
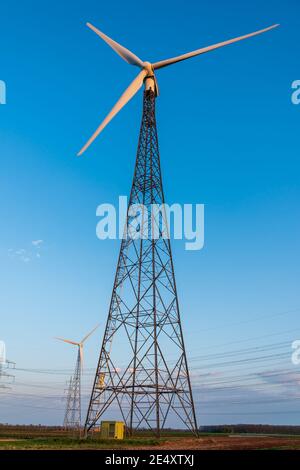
112, 430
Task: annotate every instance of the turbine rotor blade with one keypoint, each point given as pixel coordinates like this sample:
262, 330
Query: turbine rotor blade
156, 86
89, 334
126, 54
67, 341
127, 95
165, 63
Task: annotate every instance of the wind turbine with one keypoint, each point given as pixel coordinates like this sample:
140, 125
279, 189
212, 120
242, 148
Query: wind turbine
144, 318
147, 73
72, 419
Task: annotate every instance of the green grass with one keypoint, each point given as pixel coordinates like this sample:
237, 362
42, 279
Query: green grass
286, 447
68, 443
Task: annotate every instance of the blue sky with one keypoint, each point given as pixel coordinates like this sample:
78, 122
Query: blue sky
228, 138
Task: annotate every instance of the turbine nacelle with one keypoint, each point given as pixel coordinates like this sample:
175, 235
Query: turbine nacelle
150, 81
147, 73
149, 68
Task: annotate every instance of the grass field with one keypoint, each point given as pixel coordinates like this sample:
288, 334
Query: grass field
42, 438
60, 443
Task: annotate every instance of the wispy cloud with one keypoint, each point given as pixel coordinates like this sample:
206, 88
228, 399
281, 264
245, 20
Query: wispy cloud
37, 242
261, 388
27, 254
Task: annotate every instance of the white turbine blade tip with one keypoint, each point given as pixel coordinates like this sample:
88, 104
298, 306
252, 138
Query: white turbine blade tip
123, 100
67, 341
188, 55
122, 51
89, 334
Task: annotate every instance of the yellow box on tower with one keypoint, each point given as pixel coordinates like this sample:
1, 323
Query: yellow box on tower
112, 429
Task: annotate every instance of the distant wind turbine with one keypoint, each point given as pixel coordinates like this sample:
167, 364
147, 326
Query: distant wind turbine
72, 419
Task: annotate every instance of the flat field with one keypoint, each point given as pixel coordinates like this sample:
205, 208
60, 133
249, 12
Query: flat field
26, 439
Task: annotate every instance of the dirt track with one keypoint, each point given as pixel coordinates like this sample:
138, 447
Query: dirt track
230, 443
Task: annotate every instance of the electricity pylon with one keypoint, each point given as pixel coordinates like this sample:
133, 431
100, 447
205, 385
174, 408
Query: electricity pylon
144, 314
9, 378
72, 419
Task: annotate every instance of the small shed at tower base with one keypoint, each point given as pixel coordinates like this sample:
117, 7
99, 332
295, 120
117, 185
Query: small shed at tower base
112, 430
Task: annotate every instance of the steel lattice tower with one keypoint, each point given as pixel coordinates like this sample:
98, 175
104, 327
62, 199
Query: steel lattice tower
149, 379
72, 419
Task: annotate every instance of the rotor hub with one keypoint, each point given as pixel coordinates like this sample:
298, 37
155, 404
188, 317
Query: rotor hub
148, 67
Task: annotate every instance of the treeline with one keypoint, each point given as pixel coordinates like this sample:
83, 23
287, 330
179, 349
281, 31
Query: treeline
251, 429
23, 431
34, 427
6, 429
